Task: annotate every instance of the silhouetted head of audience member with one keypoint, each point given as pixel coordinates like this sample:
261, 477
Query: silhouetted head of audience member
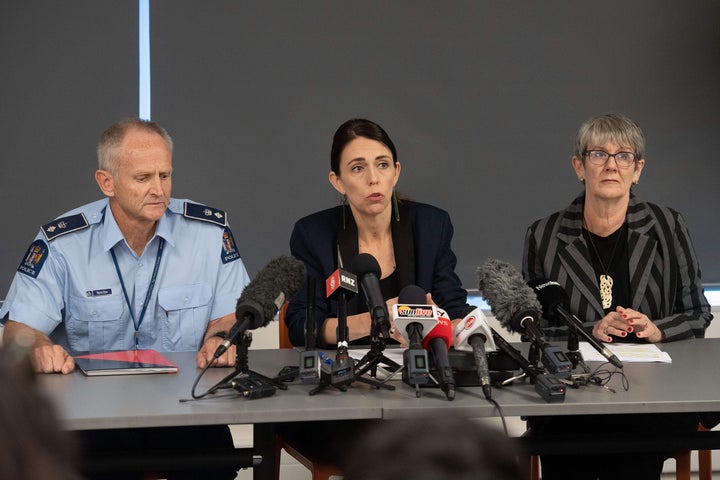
450, 447
32, 443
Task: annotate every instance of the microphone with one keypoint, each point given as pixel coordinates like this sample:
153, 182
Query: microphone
337, 285
264, 296
555, 301
338, 281
471, 334
414, 319
412, 316
517, 309
367, 270
438, 341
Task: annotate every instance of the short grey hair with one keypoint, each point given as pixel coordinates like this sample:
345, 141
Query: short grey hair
610, 127
108, 149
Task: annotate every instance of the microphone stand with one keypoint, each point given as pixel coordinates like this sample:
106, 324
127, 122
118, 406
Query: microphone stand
248, 383
574, 354
374, 357
340, 373
309, 368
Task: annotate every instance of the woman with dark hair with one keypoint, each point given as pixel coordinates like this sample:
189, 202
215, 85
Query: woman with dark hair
410, 240
631, 273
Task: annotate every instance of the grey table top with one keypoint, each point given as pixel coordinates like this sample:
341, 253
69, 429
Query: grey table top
690, 383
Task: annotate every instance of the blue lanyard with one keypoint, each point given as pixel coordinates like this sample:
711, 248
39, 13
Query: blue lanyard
137, 323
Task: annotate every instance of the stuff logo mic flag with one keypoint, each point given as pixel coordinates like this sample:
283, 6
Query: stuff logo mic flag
474, 323
473, 334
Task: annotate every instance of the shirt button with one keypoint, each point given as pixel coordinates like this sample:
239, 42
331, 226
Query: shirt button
186, 299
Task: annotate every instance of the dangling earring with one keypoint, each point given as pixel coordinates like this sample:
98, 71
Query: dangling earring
344, 204
396, 210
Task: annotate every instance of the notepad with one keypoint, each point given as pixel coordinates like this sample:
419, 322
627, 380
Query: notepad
627, 352
124, 362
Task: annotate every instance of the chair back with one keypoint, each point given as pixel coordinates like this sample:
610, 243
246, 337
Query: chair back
284, 335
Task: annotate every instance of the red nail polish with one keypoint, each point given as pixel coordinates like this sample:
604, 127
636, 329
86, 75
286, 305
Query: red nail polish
630, 329
623, 334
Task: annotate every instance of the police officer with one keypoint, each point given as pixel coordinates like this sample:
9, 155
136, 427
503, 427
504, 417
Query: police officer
137, 269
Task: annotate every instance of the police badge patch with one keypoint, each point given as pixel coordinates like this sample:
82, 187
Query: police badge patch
34, 259
229, 249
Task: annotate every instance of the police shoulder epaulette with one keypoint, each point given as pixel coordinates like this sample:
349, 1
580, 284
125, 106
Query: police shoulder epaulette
64, 225
204, 213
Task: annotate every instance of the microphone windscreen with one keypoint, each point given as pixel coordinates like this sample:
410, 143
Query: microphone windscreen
412, 295
265, 295
363, 264
505, 290
443, 329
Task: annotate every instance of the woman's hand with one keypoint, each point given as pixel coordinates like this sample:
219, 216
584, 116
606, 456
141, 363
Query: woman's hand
641, 325
623, 321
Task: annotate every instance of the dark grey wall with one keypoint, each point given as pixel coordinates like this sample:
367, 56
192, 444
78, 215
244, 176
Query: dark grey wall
482, 99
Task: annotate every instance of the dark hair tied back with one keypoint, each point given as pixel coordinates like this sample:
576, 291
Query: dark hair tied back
352, 129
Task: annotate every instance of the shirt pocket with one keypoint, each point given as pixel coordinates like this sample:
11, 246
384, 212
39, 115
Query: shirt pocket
185, 314
95, 324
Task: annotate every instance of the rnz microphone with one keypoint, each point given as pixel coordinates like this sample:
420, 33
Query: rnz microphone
338, 281
414, 319
474, 334
517, 309
438, 341
337, 286
367, 269
555, 301
264, 296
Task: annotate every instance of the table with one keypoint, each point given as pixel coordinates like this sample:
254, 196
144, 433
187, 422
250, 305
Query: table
688, 384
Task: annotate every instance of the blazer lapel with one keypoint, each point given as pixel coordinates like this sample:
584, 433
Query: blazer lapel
348, 240
642, 249
404, 246
574, 257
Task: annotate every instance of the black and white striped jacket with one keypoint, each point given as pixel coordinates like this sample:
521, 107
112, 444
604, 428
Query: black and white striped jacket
664, 272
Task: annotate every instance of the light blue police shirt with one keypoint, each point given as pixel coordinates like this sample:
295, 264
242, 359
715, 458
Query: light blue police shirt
67, 285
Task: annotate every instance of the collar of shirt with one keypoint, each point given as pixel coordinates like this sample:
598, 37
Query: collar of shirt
111, 234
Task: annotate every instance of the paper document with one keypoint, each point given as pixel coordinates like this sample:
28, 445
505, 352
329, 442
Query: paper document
626, 352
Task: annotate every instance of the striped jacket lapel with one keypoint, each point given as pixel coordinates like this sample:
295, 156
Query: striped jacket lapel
574, 256
643, 252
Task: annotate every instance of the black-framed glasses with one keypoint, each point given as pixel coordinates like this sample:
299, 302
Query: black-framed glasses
599, 157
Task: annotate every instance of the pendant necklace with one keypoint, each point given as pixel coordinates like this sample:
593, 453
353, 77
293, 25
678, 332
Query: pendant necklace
606, 281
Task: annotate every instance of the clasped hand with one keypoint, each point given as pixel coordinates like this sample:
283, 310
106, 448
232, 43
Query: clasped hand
624, 321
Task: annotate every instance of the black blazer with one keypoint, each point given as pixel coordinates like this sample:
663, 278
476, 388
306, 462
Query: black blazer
422, 253
664, 272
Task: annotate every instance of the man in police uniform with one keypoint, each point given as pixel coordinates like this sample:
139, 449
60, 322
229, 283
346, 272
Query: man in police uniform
137, 269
